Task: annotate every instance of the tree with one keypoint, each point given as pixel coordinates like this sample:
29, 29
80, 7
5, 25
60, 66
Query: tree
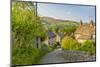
69, 30
26, 26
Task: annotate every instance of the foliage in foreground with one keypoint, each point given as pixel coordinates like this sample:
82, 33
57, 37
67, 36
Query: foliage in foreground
68, 43
28, 55
88, 46
26, 26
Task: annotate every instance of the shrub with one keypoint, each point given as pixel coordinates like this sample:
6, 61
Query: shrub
69, 43
51, 47
25, 55
88, 46
28, 55
44, 49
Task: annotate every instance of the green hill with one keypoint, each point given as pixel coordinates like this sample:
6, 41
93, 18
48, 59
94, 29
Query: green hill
49, 22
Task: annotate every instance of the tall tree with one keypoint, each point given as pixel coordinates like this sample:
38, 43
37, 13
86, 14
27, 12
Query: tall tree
26, 25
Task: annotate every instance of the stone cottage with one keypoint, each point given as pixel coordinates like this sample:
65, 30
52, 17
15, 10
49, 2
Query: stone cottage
53, 38
85, 31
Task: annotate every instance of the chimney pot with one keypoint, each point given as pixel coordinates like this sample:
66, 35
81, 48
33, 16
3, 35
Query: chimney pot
91, 22
81, 22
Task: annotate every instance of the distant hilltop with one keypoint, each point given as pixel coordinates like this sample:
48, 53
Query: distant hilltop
55, 19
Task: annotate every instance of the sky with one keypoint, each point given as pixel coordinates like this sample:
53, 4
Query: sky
66, 12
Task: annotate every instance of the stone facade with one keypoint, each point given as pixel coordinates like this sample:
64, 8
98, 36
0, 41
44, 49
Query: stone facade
85, 31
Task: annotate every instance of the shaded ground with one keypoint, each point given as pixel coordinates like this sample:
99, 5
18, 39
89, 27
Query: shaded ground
59, 55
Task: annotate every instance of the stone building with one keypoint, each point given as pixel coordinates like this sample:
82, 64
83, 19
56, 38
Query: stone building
85, 31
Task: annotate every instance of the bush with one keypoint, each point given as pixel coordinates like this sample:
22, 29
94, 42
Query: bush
44, 49
28, 55
88, 46
51, 47
25, 55
68, 43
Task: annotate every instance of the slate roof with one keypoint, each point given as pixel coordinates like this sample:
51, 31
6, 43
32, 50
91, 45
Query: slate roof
51, 34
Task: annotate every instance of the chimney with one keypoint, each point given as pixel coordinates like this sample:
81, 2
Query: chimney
81, 23
91, 22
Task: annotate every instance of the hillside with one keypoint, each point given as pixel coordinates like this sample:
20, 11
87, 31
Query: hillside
48, 21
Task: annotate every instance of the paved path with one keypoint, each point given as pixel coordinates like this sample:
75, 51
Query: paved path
58, 56
53, 57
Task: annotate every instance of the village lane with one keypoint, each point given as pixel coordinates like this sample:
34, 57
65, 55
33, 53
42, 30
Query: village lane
59, 55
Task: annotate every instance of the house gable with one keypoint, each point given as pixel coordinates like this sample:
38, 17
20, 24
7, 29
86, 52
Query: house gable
85, 31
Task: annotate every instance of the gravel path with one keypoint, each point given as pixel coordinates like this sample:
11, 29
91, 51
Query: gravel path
59, 55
